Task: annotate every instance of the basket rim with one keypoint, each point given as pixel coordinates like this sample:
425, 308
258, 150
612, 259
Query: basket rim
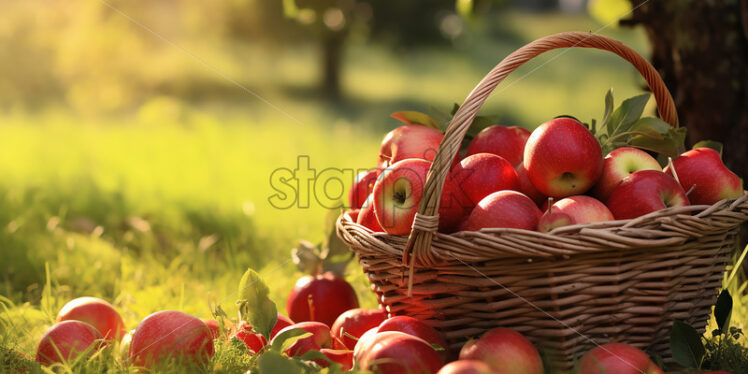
663, 228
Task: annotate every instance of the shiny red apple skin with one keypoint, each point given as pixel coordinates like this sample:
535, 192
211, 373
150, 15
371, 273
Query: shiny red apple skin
254, 341
703, 170
409, 141
96, 312
619, 164
170, 334
362, 187
367, 217
70, 338
394, 352
526, 186
330, 297
507, 142
397, 194
503, 209
320, 338
415, 327
482, 174
563, 158
617, 358
644, 192
341, 356
551, 220
466, 367
505, 351
583, 209
356, 322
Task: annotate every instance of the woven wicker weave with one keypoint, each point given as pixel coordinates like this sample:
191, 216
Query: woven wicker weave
568, 290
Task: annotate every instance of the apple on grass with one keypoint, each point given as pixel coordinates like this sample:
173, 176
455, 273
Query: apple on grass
168, 335
619, 164
320, 298
617, 358
503, 209
563, 158
574, 210
66, 340
415, 327
410, 141
352, 324
505, 351
702, 172
341, 356
362, 187
214, 326
644, 192
394, 352
507, 142
96, 312
466, 367
320, 338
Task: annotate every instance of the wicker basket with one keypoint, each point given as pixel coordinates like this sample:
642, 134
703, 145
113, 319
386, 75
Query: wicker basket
568, 290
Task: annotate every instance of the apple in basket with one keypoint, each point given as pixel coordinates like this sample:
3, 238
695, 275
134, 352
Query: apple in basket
619, 164
367, 217
96, 312
617, 358
397, 194
507, 142
576, 210
509, 209
505, 351
526, 186
644, 192
394, 352
702, 172
66, 340
466, 367
410, 141
353, 323
563, 158
362, 187
320, 298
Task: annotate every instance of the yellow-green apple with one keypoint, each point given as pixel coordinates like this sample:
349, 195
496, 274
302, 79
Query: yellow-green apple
507, 142
353, 323
168, 335
551, 220
320, 338
397, 194
394, 352
66, 340
367, 217
644, 192
563, 158
526, 186
505, 351
617, 358
702, 169
409, 141
509, 209
619, 164
97, 313
466, 367
320, 298
362, 187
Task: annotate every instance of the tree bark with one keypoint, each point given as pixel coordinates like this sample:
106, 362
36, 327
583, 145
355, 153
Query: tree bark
332, 56
701, 50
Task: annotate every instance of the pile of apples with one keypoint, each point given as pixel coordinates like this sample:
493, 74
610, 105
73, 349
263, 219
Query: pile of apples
511, 178
335, 332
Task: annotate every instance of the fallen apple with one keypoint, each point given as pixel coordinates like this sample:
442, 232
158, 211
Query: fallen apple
320, 298
66, 340
97, 313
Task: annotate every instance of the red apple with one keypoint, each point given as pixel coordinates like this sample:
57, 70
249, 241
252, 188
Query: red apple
410, 141
362, 187
367, 217
645, 191
619, 164
320, 298
507, 142
320, 338
583, 209
96, 312
254, 341
505, 351
341, 356
702, 169
563, 158
168, 335
352, 324
617, 358
415, 327
526, 186
481, 174
394, 352
509, 209
551, 220
70, 339
466, 367
397, 194
214, 326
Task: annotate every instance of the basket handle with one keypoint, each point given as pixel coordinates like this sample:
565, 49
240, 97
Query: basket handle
426, 220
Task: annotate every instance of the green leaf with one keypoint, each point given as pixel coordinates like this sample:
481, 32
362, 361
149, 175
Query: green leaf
455, 108
723, 310
713, 144
686, 345
415, 118
254, 305
441, 117
307, 257
625, 115
669, 144
273, 362
282, 341
608, 106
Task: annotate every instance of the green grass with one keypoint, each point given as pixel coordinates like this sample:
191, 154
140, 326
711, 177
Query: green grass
165, 205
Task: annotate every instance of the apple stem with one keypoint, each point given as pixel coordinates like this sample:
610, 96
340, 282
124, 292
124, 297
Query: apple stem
310, 302
672, 169
550, 204
690, 189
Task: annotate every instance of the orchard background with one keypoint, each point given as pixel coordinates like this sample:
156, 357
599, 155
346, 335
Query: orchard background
137, 140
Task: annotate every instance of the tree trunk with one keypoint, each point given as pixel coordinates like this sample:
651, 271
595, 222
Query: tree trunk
332, 56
